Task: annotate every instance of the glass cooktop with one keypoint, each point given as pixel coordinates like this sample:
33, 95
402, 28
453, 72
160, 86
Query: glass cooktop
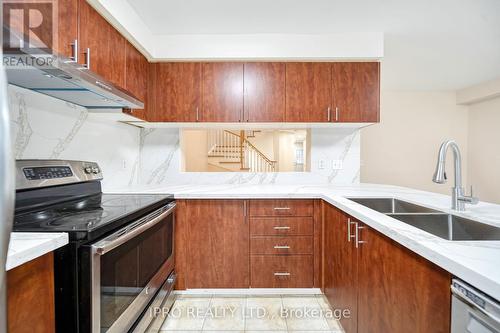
89, 214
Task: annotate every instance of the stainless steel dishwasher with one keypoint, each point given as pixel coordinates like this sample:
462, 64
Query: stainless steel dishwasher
472, 310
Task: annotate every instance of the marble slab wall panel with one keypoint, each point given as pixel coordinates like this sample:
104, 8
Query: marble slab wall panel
44, 127
47, 128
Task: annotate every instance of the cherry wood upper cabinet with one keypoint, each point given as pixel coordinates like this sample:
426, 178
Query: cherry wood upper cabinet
217, 241
264, 86
178, 91
222, 92
356, 91
308, 92
67, 31
340, 278
136, 78
399, 290
107, 46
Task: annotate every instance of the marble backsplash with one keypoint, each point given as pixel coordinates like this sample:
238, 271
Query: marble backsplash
44, 127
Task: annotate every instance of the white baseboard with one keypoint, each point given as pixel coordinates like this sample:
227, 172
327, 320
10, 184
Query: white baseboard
251, 291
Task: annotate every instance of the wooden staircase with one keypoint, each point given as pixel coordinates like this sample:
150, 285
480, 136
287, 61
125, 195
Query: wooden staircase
233, 152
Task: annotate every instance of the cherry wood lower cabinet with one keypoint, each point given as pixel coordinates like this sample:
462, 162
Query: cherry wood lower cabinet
243, 243
30, 296
278, 271
386, 287
212, 237
399, 290
340, 278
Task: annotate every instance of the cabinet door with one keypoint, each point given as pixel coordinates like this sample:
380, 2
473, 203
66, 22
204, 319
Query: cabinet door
218, 244
107, 46
136, 78
67, 29
399, 290
264, 85
340, 266
30, 296
178, 92
308, 92
222, 92
356, 91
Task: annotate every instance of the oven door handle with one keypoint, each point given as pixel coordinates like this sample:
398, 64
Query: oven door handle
120, 237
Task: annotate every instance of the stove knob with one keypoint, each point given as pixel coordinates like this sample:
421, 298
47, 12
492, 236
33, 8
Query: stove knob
88, 170
95, 170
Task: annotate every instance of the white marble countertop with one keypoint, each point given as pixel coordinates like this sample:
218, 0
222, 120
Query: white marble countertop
26, 246
476, 262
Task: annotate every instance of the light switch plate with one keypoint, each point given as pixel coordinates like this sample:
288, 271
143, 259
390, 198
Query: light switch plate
337, 165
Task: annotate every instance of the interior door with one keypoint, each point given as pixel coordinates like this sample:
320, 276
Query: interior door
356, 91
308, 92
264, 84
340, 266
222, 92
178, 91
218, 244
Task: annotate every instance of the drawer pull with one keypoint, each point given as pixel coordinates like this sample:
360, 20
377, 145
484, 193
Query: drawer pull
281, 247
281, 208
281, 274
281, 228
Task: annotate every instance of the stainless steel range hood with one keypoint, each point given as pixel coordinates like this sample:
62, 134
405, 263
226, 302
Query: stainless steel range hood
62, 78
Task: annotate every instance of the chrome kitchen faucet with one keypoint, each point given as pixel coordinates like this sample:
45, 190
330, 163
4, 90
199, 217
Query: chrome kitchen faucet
458, 198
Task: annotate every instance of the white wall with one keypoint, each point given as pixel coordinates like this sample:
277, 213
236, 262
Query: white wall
402, 149
484, 149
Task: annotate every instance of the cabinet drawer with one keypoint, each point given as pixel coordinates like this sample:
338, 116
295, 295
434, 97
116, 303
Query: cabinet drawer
281, 207
281, 271
288, 226
281, 245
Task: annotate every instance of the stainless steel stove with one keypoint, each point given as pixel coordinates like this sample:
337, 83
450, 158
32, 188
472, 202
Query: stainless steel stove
120, 260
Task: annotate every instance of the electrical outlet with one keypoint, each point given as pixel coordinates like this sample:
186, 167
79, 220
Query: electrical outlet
337, 165
321, 164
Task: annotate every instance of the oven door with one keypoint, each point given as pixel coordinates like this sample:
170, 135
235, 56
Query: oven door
128, 268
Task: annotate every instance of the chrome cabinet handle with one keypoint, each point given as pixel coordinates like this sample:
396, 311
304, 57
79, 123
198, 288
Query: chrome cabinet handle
74, 51
281, 208
281, 274
281, 228
87, 59
349, 224
197, 114
329, 113
356, 235
336, 114
244, 208
281, 247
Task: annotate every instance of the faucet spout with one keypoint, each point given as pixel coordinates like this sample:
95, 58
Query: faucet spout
458, 197
440, 173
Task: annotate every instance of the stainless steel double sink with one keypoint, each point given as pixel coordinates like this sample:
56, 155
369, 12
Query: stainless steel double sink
438, 223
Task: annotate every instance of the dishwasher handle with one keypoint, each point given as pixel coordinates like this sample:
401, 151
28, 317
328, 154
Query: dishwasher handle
476, 300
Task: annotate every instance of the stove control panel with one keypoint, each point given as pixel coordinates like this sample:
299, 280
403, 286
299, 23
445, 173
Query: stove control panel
43, 173
47, 172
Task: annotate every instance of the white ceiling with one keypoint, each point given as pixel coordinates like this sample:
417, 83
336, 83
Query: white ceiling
429, 44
